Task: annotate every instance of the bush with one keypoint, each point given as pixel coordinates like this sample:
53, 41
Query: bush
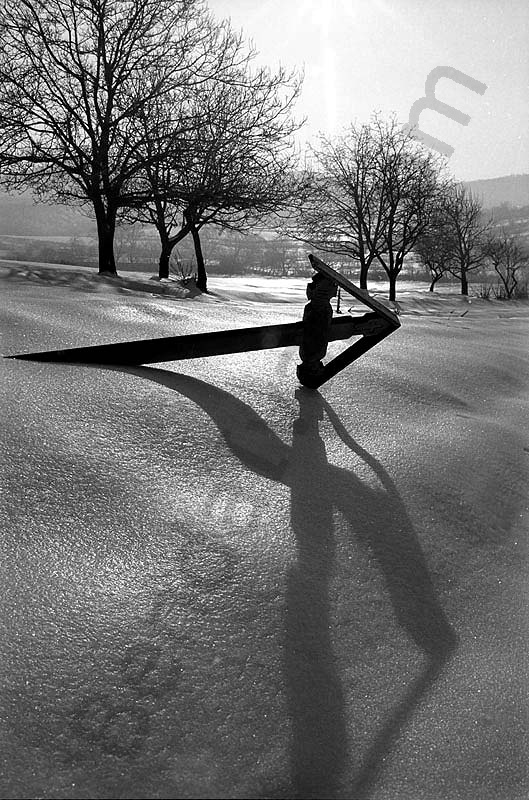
485, 290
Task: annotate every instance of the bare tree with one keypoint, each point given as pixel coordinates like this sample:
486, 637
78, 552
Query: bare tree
465, 228
341, 211
78, 77
236, 163
411, 185
434, 249
374, 193
508, 257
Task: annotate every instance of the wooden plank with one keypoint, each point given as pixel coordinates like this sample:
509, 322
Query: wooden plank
200, 345
347, 356
358, 293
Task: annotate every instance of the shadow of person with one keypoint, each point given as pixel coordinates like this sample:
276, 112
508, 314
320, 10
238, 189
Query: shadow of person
315, 696
375, 517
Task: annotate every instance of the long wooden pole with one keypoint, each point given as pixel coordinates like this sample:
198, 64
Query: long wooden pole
198, 345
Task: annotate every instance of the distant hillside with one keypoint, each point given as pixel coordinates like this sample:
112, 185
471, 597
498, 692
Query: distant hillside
510, 189
20, 215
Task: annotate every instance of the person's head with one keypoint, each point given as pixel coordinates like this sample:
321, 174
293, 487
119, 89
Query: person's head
321, 288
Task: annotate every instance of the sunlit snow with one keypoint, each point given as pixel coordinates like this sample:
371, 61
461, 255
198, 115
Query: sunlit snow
217, 584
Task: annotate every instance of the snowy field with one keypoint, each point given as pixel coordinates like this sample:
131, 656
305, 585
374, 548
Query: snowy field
219, 585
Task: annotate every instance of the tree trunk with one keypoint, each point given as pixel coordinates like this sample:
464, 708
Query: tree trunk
464, 282
434, 281
165, 255
202, 278
106, 226
392, 287
168, 244
363, 276
395, 266
163, 262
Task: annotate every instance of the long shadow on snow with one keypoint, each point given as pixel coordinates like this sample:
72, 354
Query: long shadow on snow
316, 702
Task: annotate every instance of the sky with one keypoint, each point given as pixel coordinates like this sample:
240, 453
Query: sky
366, 56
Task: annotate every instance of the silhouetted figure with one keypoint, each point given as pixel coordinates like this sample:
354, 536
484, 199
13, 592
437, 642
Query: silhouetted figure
317, 318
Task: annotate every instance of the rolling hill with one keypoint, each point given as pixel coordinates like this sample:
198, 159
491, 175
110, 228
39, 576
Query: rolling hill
20, 215
510, 190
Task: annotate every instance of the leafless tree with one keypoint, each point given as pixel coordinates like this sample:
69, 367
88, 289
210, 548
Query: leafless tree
434, 249
341, 212
412, 185
508, 257
465, 227
78, 78
374, 193
236, 163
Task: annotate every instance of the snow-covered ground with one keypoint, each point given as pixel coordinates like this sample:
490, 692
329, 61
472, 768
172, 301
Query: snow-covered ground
219, 585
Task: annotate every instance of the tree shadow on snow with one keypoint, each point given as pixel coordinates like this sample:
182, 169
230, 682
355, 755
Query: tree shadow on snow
319, 750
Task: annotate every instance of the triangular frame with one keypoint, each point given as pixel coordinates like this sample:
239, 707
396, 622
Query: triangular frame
385, 322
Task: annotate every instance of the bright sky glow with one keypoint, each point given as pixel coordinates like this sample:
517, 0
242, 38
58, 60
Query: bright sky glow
361, 56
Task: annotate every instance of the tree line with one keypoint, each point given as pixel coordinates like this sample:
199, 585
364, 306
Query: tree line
153, 111
377, 195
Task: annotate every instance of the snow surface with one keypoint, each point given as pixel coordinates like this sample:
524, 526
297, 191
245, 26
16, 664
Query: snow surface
217, 584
